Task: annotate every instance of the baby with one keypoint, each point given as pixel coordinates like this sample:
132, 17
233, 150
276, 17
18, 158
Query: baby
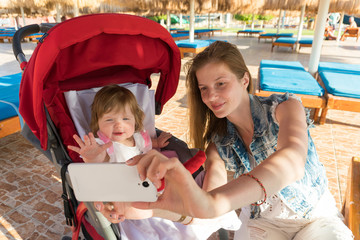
117, 124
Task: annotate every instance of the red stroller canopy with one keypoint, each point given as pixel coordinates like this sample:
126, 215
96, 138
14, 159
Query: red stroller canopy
92, 51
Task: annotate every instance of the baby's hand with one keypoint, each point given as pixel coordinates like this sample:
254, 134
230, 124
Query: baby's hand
162, 140
89, 149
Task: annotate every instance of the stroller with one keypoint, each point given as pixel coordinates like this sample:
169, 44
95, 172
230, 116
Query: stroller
83, 53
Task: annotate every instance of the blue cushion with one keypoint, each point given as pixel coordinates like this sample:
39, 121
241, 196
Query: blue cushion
289, 80
179, 34
281, 64
9, 92
269, 34
306, 41
339, 67
196, 44
284, 34
341, 84
286, 40
196, 31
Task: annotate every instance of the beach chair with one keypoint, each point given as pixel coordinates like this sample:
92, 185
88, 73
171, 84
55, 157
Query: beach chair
213, 30
266, 36
305, 42
10, 119
185, 46
351, 32
250, 32
351, 206
198, 32
284, 42
278, 77
341, 82
179, 36
273, 36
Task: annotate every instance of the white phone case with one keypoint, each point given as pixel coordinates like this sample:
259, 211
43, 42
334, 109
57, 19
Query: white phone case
110, 182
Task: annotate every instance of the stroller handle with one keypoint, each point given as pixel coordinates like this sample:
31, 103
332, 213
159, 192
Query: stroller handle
21, 34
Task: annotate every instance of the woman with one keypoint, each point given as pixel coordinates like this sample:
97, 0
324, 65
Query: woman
279, 182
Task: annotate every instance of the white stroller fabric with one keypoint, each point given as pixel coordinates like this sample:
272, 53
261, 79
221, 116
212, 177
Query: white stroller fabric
79, 104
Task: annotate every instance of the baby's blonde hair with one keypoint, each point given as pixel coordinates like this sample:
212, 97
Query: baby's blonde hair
114, 97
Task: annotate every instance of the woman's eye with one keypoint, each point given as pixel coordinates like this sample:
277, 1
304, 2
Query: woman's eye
202, 89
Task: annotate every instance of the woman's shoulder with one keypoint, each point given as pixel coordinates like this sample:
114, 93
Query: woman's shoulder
275, 99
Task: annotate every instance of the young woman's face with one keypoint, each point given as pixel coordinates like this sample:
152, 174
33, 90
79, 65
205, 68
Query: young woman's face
119, 126
220, 88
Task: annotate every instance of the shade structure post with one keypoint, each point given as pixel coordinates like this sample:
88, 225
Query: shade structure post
252, 21
181, 20
318, 36
58, 18
23, 15
341, 23
168, 20
192, 21
278, 24
301, 26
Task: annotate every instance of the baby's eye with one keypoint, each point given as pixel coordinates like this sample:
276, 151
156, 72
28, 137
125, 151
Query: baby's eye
126, 119
220, 84
109, 120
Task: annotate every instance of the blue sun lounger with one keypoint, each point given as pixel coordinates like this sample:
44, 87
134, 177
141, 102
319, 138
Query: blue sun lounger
284, 42
273, 36
248, 32
341, 82
10, 119
180, 36
198, 32
185, 46
278, 77
305, 42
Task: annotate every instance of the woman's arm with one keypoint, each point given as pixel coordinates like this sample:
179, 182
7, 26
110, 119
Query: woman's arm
215, 175
282, 168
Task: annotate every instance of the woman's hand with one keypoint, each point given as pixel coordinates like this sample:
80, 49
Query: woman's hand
181, 193
117, 212
89, 149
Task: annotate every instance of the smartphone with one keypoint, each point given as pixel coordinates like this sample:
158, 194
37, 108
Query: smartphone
110, 182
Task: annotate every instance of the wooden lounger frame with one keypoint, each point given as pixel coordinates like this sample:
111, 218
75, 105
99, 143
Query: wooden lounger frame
336, 102
184, 50
9, 126
266, 37
308, 101
282, 44
304, 45
248, 33
351, 207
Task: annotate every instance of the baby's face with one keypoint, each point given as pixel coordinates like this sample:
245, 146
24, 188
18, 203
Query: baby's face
118, 126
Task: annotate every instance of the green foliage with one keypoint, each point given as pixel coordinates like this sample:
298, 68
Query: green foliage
157, 18
243, 17
248, 17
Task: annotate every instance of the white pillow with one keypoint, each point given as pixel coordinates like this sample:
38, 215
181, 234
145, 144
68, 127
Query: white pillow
79, 104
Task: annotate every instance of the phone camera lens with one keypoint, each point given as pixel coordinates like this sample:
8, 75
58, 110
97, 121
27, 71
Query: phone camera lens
145, 184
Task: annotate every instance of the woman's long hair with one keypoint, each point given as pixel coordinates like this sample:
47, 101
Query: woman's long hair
203, 123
